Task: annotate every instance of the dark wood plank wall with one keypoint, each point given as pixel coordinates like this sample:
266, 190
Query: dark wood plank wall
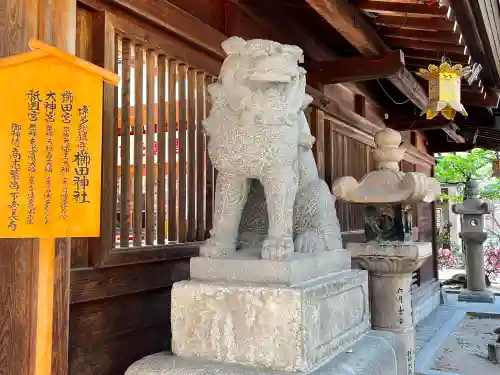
120, 290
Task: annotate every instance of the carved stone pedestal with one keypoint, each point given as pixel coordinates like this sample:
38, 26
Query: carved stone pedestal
320, 324
284, 328
391, 266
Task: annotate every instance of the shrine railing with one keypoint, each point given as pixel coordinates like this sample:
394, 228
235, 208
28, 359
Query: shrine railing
157, 182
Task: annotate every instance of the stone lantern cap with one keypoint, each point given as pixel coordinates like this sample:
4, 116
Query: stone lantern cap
387, 184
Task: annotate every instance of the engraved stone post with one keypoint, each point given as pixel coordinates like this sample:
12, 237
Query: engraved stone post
473, 209
389, 254
391, 266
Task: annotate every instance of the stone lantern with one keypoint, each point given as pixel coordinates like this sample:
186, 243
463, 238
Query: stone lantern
472, 210
388, 253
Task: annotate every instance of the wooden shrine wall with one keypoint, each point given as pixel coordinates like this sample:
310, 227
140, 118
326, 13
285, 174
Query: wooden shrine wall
120, 284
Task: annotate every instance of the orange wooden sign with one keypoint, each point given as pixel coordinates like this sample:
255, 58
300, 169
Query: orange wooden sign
50, 174
51, 135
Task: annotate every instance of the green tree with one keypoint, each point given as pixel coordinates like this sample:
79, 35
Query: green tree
463, 167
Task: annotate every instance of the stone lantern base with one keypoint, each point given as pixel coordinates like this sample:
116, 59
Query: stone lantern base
484, 296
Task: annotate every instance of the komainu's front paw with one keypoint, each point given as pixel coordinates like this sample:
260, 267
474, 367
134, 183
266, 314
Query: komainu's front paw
214, 249
277, 248
308, 242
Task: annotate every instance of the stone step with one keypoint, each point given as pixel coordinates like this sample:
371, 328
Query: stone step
375, 353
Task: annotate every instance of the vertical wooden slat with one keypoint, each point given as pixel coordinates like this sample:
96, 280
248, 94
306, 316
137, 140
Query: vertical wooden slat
334, 161
200, 160
172, 137
318, 130
191, 156
360, 105
328, 154
210, 177
125, 151
150, 148
106, 51
160, 238
182, 153
110, 141
345, 172
138, 136
339, 139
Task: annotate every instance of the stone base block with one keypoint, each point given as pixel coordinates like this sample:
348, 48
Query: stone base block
494, 352
425, 299
246, 266
283, 328
408, 250
376, 353
485, 296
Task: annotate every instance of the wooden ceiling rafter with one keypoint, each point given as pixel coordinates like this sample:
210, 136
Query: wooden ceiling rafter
433, 56
348, 21
420, 8
466, 17
342, 16
423, 35
355, 69
426, 33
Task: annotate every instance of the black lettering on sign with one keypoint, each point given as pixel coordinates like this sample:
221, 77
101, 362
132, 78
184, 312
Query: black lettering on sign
33, 98
15, 174
82, 159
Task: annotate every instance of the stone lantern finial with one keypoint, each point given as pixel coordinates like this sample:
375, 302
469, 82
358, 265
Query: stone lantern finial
388, 154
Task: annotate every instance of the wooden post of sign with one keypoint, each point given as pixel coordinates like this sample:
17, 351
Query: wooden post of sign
45, 306
23, 264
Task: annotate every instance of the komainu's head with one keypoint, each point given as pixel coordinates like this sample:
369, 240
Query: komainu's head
260, 83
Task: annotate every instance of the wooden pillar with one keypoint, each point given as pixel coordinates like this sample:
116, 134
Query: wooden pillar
52, 21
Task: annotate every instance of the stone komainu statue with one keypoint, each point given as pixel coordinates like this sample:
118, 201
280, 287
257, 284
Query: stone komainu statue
268, 193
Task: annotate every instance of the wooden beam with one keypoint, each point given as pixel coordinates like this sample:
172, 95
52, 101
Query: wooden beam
453, 135
28, 343
423, 35
355, 69
445, 48
437, 147
347, 20
416, 63
179, 22
408, 85
435, 56
420, 23
485, 100
419, 123
290, 30
403, 8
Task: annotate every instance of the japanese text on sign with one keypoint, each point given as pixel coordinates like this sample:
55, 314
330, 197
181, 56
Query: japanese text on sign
52, 170
51, 111
42, 112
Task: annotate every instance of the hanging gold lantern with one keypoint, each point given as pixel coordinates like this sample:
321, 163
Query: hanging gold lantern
444, 89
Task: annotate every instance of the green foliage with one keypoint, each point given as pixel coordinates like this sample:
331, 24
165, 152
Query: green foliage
464, 167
